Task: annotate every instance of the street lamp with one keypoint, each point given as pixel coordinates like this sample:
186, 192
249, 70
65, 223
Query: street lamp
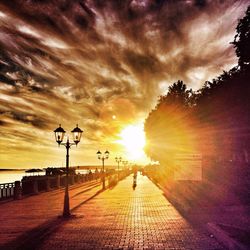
59, 135
118, 160
103, 158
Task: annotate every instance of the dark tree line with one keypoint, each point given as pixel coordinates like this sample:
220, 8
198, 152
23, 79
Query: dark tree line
214, 120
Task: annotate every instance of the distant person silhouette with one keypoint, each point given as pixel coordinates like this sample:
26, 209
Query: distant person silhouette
134, 180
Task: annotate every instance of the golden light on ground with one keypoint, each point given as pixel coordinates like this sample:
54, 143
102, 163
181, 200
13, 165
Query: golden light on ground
133, 139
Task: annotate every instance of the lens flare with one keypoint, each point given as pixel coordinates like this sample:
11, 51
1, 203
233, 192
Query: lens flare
133, 139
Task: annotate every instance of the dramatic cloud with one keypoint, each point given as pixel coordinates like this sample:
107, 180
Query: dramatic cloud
101, 64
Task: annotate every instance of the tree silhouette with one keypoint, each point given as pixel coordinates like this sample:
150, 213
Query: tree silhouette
242, 40
178, 94
215, 119
168, 125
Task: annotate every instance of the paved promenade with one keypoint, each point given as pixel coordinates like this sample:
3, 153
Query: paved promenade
22, 222
118, 218
123, 218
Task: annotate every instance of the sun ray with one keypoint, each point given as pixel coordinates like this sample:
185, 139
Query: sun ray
133, 140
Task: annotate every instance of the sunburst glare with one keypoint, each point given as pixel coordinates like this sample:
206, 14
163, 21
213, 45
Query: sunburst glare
133, 139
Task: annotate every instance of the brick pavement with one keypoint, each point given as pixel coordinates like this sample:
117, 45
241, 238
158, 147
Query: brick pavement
123, 218
22, 219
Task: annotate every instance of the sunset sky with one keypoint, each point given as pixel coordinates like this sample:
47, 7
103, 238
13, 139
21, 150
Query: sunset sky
101, 64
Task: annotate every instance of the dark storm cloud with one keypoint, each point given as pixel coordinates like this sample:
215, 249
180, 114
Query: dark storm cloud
29, 118
2, 123
142, 63
64, 60
6, 80
200, 3
114, 63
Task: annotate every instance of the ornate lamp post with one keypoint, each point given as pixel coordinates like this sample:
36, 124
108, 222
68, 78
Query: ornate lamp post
103, 158
118, 160
59, 135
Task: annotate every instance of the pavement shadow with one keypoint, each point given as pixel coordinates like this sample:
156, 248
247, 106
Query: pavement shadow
181, 209
33, 239
85, 190
230, 236
73, 187
90, 198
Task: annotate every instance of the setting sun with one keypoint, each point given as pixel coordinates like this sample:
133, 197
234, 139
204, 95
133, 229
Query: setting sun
133, 139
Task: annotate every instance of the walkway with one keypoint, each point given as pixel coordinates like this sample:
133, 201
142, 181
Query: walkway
22, 221
123, 218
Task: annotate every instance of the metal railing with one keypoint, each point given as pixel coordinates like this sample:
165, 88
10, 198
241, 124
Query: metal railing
6, 190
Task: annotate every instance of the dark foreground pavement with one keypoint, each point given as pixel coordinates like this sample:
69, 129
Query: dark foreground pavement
24, 223
123, 218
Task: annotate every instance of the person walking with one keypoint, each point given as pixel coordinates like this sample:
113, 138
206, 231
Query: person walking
134, 180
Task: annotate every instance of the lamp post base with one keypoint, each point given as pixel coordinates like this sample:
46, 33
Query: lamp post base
66, 215
103, 183
66, 210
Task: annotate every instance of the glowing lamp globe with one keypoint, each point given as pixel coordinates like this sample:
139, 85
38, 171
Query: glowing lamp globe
59, 134
106, 154
77, 133
99, 154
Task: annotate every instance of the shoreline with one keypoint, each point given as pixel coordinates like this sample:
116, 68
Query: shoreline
13, 169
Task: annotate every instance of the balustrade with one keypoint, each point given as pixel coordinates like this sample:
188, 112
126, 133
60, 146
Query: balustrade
7, 190
34, 185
